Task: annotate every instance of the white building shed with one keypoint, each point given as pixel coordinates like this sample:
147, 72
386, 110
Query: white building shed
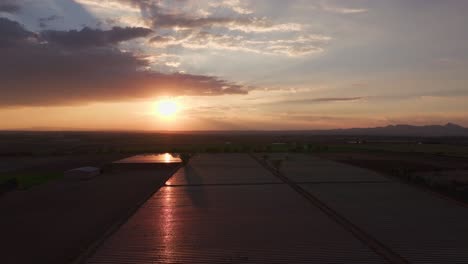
83, 173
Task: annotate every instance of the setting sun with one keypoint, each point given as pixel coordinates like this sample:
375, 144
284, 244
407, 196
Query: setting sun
167, 108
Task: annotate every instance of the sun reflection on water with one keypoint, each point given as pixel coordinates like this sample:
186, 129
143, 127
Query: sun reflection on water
152, 158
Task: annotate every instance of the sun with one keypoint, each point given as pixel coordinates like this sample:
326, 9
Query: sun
167, 108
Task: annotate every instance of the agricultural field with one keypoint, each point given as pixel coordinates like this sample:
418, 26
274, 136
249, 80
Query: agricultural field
445, 174
24, 172
28, 159
413, 147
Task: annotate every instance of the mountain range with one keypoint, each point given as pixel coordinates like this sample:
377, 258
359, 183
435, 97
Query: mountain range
448, 130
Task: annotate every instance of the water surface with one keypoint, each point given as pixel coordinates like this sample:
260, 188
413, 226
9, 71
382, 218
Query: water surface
152, 158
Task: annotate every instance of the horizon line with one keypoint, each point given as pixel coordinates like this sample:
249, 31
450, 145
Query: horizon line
209, 130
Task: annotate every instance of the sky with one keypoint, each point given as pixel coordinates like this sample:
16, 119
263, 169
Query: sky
232, 64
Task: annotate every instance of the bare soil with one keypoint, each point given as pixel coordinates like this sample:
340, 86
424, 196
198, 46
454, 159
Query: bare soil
57, 221
414, 168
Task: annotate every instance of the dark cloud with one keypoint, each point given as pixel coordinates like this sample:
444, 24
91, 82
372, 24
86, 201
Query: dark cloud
35, 72
13, 34
160, 18
88, 37
43, 21
9, 6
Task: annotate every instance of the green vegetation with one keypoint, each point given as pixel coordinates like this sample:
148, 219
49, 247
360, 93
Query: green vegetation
436, 149
28, 180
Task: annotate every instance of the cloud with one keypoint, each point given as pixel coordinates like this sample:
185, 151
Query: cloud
330, 99
88, 37
262, 25
346, 10
44, 21
13, 34
298, 46
320, 100
168, 60
235, 5
160, 19
38, 71
229, 25
9, 6
241, 31
342, 10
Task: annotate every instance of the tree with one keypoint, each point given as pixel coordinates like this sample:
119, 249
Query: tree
185, 157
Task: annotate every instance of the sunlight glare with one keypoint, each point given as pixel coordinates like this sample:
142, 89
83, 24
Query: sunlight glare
167, 108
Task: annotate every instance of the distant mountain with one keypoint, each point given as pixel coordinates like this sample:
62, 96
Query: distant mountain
448, 130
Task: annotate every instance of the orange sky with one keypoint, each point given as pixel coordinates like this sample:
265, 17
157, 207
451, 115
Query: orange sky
232, 65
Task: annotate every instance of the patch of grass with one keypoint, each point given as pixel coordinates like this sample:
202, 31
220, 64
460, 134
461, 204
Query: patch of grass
28, 180
4, 179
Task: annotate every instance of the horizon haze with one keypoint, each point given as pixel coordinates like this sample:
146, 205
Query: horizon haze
399, 130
